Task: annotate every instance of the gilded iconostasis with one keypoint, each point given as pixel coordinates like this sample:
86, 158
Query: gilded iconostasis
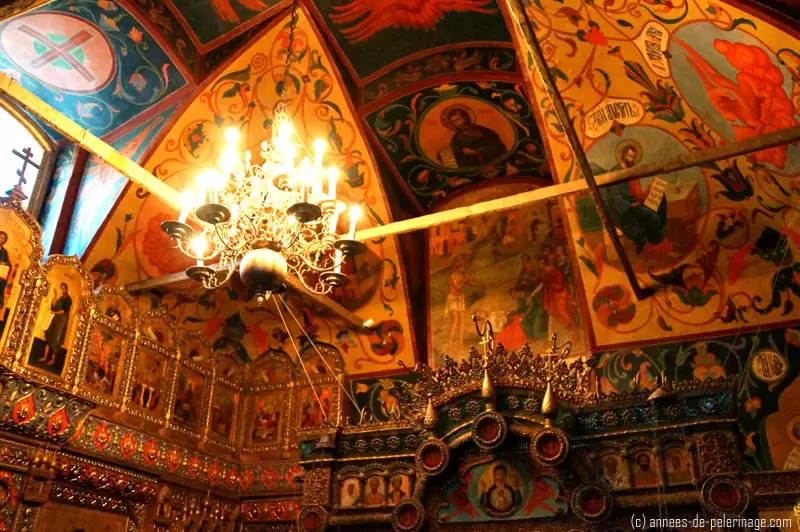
138, 398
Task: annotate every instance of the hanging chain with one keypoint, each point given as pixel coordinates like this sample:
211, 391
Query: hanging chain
287, 66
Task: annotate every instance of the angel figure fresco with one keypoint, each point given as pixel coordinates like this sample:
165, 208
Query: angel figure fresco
365, 18
756, 102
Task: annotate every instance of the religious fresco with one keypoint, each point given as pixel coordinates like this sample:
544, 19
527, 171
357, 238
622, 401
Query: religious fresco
767, 395
187, 406
315, 406
101, 185
223, 413
67, 518
60, 317
500, 490
54, 200
92, 60
444, 138
212, 20
376, 33
19, 252
658, 82
104, 361
149, 384
614, 472
512, 269
134, 247
268, 418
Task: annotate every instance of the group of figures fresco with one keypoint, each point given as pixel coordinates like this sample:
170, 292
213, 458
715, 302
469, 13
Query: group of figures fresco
511, 269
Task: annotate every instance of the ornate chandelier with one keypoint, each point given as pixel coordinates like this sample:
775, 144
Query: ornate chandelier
270, 219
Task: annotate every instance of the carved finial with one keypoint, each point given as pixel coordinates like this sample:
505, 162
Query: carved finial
664, 391
549, 405
430, 419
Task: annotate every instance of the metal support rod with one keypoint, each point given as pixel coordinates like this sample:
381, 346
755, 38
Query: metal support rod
529, 35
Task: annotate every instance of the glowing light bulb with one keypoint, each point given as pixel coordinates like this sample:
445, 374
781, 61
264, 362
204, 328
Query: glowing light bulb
355, 214
285, 131
333, 175
198, 245
338, 261
187, 203
232, 135
319, 151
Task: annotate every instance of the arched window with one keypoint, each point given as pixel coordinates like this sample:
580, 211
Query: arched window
24, 147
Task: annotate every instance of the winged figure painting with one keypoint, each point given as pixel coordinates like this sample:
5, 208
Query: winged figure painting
365, 18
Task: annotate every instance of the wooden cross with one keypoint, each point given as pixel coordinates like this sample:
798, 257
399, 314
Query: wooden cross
27, 159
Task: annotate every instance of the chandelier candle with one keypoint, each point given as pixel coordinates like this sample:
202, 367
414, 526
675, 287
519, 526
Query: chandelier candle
355, 214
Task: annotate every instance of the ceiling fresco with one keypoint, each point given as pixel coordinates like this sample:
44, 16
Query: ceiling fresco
512, 269
442, 139
94, 61
374, 35
133, 247
170, 29
663, 80
211, 22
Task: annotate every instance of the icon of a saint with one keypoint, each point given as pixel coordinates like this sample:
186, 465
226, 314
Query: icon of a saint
472, 144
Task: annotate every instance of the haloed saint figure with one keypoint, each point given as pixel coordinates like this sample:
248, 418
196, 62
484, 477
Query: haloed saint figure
500, 499
472, 144
56, 333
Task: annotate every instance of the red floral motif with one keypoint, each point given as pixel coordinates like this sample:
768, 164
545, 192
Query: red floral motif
24, 410
58, 422
270, 477
174, 459
292, 474
127, 444
245, 478
151, 451
213, 473
101, 436
194, 466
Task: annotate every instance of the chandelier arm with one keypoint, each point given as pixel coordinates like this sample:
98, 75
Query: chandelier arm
224, 241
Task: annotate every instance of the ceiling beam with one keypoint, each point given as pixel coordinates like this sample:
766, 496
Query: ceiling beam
89, 142
292, 283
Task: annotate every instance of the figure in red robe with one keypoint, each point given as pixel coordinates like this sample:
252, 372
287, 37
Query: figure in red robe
558, 300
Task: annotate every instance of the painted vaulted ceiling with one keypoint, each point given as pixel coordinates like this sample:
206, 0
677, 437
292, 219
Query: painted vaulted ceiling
430, 105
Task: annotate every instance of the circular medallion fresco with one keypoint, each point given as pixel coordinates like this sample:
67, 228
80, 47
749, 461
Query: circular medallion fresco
60, 50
